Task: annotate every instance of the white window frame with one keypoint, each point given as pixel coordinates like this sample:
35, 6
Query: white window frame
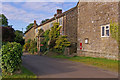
105, 34
60, 21
41, 27
51, 24
36, 30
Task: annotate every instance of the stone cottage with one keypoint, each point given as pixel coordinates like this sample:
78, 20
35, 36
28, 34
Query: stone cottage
68, 21
93, 32
30, 33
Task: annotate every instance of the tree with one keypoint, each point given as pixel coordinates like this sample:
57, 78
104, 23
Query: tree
19, 37
29, 26
44, 21
3, 20
54, 34
8, 34
61, 43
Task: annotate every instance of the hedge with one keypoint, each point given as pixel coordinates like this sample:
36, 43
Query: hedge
11, 57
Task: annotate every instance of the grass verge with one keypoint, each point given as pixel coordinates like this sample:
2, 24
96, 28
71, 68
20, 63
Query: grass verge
24, 74
106, 64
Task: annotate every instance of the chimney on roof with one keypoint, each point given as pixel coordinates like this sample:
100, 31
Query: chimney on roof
55, 15
34, 21
59, 11
35, 24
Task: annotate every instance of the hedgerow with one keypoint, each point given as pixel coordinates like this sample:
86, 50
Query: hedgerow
11, 57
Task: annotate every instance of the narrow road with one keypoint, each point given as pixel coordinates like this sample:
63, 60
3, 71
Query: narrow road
45, 67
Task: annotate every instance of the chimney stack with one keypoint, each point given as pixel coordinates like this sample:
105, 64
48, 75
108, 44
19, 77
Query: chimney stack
34, 21
35, 24
55, 15
59, 11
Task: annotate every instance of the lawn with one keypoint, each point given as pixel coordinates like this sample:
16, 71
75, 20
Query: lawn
106, 64
24, 74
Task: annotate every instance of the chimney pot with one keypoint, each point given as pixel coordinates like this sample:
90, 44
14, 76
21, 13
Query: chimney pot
59, 11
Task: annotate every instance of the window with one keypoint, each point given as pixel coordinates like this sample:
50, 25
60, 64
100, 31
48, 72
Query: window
37, 30
105, 31
41, 27
51, 24
60, 21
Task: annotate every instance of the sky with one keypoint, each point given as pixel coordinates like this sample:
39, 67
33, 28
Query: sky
21, 14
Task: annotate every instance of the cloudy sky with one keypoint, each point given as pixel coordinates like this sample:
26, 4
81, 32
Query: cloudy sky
20, 14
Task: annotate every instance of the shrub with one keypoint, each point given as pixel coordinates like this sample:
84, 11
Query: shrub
26, 46
44, 48
54, 34
11, 57
30, 46
61, 43
19, 37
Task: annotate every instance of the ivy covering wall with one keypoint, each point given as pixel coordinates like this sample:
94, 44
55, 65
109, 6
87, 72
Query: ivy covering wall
114, 29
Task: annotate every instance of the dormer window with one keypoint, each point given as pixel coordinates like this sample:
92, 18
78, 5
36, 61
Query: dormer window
105, 30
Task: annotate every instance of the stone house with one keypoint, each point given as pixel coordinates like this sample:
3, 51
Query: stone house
93, 32
30, 33
68, 21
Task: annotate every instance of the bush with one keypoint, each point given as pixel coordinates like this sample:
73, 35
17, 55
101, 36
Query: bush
44, 48
54, 34
19, 37
30, 46
61, 43
11, 57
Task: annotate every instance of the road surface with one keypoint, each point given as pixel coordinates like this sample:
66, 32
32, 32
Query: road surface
45, 67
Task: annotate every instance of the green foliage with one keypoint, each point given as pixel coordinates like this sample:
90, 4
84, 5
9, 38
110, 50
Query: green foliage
53, 40
11, 57
54, 34
61, 43
19, 37
3, 20
112, 65
30, 46
8, 34
45, 41
55, 31
25, 73
114, 31
26, 45
41, 31
29, 26
44, 21
33, 46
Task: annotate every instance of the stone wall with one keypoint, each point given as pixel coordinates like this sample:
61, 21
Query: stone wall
70, 21
90, 18
70, 25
